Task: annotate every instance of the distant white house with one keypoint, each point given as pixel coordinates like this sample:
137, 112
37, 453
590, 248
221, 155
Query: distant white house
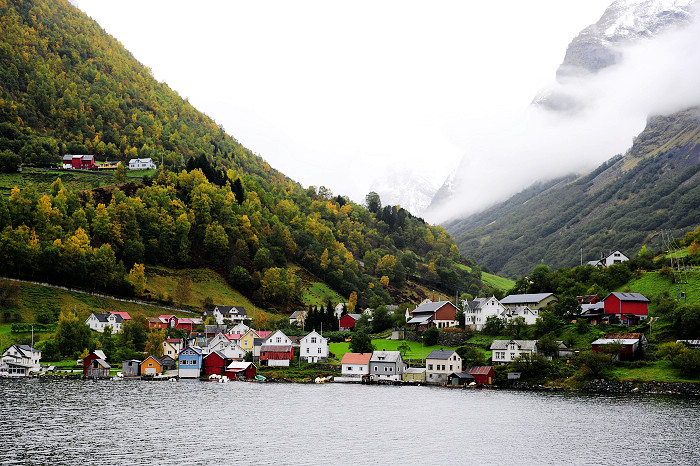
98, 321
506, 351
478, 310
142, 164
313, 348
615, 257
530, 316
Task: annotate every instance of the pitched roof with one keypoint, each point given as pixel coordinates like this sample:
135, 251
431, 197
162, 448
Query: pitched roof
440, 354
479, 370
239, 365
356, 358
629, 297
531, 298
386, 356
124, 315
522, 344
420, 319
430, 307
414, 370
276, 348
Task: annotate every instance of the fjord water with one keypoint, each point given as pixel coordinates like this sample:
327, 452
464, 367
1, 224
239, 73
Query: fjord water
191, 422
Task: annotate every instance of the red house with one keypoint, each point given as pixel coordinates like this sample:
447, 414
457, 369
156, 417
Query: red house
348, 321
95, 364
215, 363
440, 314
241, 370
484, 375
182, 323
88, 162
630, 308
157, 322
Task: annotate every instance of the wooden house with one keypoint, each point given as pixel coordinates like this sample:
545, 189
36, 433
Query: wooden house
313, 348
348, 321
215, 363
241, 370
277, 350
88, 368
168, 363
628, 308
534, 301
483, 375
414, 375
355, 364
190, 363
130, 367
440, 314
440, 363
151, 366
386, 366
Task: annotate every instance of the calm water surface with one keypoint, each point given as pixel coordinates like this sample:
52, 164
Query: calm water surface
134, 422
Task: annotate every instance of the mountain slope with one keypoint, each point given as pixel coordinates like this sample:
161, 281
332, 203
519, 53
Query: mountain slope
622, 205
68, 87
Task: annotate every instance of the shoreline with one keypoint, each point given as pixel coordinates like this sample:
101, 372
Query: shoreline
596, 386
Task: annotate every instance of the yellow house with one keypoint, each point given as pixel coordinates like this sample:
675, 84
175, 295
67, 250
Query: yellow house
247, 341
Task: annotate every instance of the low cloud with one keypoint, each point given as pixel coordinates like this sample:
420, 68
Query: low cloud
606, 111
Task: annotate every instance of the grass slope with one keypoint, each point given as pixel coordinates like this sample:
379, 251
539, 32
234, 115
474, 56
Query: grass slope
416, 351
318, 294
652, 284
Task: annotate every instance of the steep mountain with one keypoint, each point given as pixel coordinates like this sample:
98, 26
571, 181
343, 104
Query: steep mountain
68, 87
623, 204
629, 65
403, 187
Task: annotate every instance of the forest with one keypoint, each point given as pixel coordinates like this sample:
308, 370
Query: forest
68, 87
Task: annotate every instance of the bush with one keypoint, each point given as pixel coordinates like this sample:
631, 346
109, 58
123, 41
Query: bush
430, 336
688, 363
594, 363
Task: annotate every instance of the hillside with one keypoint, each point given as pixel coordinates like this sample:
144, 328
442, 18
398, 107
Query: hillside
623, 204
68, 87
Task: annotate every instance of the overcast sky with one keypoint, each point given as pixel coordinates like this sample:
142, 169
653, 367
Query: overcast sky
335, 93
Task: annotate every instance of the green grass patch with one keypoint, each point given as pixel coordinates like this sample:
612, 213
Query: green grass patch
651, 284
318, 294
657, 371
42, 179
416, 351
298, 372
495, 281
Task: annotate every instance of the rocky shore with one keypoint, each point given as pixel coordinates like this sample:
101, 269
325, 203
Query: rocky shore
657, 388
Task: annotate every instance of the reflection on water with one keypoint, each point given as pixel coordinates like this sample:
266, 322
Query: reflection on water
135, 422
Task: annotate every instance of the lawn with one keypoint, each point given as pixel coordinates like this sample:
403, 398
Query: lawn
652, 284
416, 351
318, 294
658, 371
42, 179
489, 279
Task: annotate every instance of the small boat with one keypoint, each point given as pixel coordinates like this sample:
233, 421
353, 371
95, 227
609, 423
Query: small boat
260, 378
223, 379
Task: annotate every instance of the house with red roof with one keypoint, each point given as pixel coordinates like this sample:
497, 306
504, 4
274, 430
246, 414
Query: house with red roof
355, 364
172, 347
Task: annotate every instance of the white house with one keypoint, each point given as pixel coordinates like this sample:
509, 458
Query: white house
525, 312
277, 350
534, 301
298, 318
98, 321
440, 363
20, 360
355, 364
477, 311
227, 345
239, 329
615, 257
313, 348
506, 351
142, 164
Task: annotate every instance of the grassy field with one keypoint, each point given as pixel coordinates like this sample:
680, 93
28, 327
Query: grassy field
652, 284
416, 352
42, 179
658, 371
495, 281
317, 294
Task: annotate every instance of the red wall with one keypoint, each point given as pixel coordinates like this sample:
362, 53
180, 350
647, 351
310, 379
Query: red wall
213, 364
347, 321
446, 312
612, 306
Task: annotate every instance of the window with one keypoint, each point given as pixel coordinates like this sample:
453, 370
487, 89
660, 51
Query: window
349, 368
319, 351
430, 367
313, 339
307, 350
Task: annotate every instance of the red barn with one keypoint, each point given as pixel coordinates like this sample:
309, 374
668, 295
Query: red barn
75, 161
241, 369
215, 363
484, 375
348, 321
629, 307
88, 162
276, 355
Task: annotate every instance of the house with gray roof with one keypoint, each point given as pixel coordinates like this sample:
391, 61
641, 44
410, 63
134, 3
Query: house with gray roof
386, 366
440, 314
506, 351
478, 310
534, 301
98, 321
440, 364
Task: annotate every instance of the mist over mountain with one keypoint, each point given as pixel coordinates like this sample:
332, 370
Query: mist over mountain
639, 59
